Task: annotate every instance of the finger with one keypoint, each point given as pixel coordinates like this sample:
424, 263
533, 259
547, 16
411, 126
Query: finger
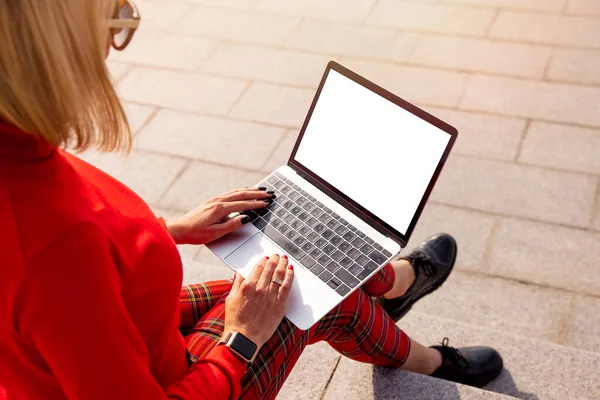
228, 226
246, 195
267, 274
278, 274
226, 208
238, 279
286, 286
257, 271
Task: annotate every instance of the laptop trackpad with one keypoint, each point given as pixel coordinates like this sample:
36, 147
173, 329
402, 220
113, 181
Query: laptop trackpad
244, 258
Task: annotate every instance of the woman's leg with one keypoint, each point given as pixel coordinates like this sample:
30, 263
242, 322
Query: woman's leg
196, 300
357, 328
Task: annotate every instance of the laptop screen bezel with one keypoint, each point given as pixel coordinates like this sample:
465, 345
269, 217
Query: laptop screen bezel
364, 214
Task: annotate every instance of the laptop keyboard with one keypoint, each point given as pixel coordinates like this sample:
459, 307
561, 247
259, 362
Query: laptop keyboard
323, 242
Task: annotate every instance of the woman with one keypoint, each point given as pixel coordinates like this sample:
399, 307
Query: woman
90, 300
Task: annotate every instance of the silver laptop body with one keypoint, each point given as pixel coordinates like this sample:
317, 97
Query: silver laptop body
356, 182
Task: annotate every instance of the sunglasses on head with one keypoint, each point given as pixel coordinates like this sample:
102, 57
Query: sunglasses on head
123, 24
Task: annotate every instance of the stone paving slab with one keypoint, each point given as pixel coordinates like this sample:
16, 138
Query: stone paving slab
547, 255
479, 55
182, 91
239, 25
517, 190
338, 10
585, 7
576, 31
417, 85
201, 181
578, 147
149, 175
539, 100
351, 40
218, 140
356, 381
573, 65
483, 135
472, 231
432, 17
311, 374
533, 369
500, 304
138, 116
584, 326
282, 152
273, 104
527, 5
159, 49
265, 64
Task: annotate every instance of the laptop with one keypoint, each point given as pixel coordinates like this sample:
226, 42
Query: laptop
350, 195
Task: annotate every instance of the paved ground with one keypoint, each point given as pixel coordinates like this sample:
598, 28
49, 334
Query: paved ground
217, 91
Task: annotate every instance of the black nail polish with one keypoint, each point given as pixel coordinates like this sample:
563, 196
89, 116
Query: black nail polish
268, 201
270, 192
245, 220
273, 196
262, 188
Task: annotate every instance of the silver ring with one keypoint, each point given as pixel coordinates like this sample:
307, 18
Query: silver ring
277, 281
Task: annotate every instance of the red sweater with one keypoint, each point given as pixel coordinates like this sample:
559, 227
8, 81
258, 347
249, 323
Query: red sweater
89, 288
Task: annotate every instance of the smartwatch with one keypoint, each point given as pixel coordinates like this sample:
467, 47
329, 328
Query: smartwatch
240, 345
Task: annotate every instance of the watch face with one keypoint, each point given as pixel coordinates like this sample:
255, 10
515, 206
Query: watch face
244, 346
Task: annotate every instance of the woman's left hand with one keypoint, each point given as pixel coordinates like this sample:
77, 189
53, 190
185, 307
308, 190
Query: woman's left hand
210, 221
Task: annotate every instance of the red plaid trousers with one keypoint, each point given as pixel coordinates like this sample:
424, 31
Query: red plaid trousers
357, 328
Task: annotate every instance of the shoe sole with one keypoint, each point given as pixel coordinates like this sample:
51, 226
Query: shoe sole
428, 290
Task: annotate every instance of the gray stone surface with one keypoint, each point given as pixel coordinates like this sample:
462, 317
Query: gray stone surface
546, 101
579, 147
238, 25
533, 369
160, 49
149, 175
547, 255
470, 54
500, 304
483, 135
198, 272
202, 181
265, 64
311, 374
352, 40
415, 84
574, 65
471, 230
548, 28
517, 190
353, 11
282, 152
138, 115
272, 104
182, 91
584, 325
432, 17
356, 381
213, 139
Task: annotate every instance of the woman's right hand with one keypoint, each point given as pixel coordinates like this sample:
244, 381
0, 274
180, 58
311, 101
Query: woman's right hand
256, 305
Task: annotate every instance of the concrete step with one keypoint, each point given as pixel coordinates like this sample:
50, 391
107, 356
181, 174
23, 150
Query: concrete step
533, 369
357, 381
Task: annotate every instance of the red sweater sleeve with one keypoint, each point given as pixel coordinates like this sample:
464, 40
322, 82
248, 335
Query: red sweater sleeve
74, 315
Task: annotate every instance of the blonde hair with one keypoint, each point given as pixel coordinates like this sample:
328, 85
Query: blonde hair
54, 82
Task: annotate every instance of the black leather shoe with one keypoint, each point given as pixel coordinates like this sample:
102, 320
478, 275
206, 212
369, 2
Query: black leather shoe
473, 366
432, 261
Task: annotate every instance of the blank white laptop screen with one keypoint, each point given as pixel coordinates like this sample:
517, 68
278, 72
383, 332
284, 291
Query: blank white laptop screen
372, 150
